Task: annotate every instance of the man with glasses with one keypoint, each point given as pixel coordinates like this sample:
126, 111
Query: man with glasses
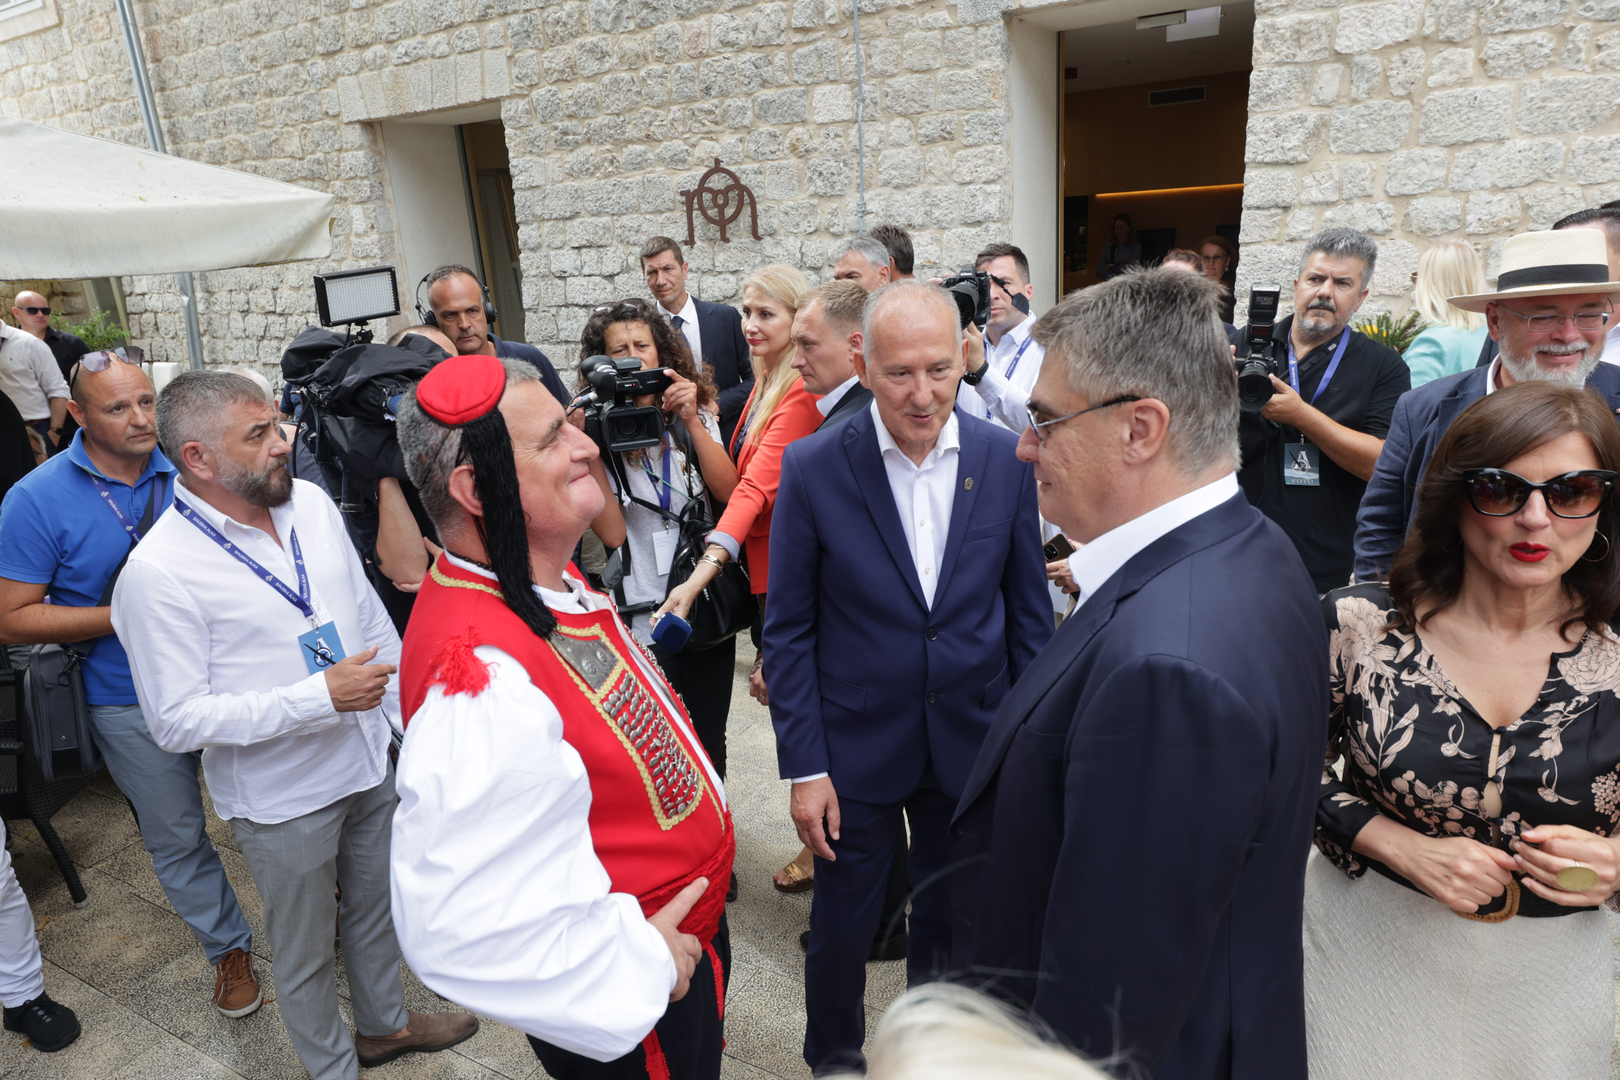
30, 377
66, 531
33, 314
917, 600
1131, 843
1549, 315
1308, 453
1218, 255
996, 387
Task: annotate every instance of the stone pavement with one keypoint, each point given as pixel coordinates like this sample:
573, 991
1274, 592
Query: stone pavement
141, 986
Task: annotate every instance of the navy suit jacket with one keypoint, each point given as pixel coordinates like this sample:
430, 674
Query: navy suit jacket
725, 354
1133, 837
867, 683
1421, 418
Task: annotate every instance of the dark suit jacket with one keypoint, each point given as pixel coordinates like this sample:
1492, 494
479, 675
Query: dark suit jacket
1135, 831
516, 350
855, 398
867, 683
725, 354
1421, 417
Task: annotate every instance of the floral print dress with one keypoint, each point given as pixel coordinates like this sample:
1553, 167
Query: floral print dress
1416, 751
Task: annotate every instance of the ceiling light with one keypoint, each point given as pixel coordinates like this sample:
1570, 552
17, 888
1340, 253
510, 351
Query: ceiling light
1199, 23
1166, 18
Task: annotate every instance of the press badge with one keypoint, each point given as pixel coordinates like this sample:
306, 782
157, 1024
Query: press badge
1301, 465
321, 647
664, 549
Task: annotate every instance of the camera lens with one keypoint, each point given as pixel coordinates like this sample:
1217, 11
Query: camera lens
1254, 386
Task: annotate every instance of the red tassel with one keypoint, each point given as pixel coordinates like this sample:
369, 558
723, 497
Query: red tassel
657, 1064
458, 670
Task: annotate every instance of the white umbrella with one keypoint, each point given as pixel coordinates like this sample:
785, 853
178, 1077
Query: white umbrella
73, 206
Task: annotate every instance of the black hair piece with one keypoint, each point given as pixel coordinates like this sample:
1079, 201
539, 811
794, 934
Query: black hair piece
503, 527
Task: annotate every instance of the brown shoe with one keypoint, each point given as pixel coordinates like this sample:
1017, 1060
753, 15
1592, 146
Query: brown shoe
427, 1033
236, 987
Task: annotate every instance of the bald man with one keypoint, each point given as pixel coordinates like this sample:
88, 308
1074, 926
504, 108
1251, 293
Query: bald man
29, 375
33, 314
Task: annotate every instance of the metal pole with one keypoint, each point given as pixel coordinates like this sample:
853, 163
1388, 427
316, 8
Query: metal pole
154, 137
860, 128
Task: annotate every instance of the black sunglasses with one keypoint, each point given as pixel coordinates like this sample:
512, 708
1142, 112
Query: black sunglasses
37, 310
101, 361
1499, 493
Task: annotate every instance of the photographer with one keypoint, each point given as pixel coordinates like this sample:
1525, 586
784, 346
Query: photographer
1310, 449
998, 389
690, 463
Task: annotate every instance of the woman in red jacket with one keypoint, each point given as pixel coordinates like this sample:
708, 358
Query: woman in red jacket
779, 411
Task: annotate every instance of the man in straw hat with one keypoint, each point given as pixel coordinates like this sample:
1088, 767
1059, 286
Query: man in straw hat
559, 822
1553, 305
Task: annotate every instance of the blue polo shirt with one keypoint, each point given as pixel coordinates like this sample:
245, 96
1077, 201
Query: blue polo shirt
55, 531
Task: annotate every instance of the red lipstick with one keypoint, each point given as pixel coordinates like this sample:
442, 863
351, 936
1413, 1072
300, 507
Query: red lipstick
1529, 552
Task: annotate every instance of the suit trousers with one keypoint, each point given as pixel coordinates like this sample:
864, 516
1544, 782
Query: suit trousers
295, 864
849, 903
167, 797
22, 972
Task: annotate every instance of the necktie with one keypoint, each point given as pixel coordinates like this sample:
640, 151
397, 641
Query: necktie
677, 321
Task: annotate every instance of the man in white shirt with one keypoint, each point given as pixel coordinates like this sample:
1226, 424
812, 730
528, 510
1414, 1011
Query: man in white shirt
998, 388
251, 630
712, 331
826, 339
1150, 737
30, 378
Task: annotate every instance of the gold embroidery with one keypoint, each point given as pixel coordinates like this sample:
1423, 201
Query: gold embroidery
457, 583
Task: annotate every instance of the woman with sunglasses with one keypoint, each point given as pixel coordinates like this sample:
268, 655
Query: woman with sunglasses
1466, 839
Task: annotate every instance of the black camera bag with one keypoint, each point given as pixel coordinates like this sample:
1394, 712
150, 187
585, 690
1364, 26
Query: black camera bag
57, 715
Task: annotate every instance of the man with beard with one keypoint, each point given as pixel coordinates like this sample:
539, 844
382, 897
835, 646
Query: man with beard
284, 683
1548, 317
1308, 453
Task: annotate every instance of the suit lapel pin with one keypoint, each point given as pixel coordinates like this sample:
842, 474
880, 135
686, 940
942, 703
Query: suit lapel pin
967, 485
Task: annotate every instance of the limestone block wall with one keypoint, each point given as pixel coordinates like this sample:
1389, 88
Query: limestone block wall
611, 108
1422, 120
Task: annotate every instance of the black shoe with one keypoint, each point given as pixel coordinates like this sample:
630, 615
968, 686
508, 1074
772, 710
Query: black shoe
48, 1025
893, 948
731, 890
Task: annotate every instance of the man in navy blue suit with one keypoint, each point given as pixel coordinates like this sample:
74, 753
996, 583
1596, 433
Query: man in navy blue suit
916, 596
713, 331
1132, 841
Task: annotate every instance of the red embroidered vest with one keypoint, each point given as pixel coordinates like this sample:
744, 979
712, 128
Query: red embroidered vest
656, 821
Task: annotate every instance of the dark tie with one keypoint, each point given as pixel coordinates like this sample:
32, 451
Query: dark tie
677, 321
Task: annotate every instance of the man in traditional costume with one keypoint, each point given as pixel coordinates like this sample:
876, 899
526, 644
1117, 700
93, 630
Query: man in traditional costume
558, 822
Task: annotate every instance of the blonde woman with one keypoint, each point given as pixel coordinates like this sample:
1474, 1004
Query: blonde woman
1452, 341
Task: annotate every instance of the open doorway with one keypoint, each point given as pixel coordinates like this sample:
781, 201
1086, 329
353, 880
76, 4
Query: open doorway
1153, 114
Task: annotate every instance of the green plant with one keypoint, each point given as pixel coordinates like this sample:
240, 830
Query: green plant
99, 331
1397, 335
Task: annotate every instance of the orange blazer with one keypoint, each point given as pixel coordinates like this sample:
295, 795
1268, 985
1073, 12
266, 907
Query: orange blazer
759, 467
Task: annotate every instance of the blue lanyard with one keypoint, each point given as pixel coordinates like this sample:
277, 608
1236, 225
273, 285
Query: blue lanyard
663, 489
1012, 367
1327, 376
299, 599
118, 511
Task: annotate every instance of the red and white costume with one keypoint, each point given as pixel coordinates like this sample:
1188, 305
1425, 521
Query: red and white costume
551, 797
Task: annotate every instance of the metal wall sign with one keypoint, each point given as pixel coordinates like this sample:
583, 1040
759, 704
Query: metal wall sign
720, 202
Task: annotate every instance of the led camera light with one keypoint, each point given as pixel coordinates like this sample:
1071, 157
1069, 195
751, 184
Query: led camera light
356, 296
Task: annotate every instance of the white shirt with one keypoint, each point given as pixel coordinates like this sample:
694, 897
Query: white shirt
828, 402
1001, 397
217, 664
689, 327
1611, 342
29, 374
500, 902
923, 494
1101, 559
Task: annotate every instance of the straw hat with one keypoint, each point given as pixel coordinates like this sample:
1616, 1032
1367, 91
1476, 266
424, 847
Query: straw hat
1548, 263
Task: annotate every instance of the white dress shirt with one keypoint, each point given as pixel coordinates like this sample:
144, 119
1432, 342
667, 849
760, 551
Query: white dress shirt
689, 327
29, 374
1101, 559
924, 495
217, 664
1611, 342
826, 403
500, 902
1000, 397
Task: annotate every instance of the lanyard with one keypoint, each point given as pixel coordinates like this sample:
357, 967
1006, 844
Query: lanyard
299, 599
1012, 367
665, 488
1327, 376
118, 511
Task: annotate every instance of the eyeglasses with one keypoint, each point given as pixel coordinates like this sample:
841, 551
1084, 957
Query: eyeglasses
1221, 257
1499, 493
634, 304
37, 310
1036, 424
1544, 324
101, 361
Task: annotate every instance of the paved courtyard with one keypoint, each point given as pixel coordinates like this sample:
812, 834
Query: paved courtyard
138, 980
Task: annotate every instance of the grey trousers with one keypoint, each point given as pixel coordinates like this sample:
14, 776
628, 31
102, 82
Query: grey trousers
167, 797
295, 865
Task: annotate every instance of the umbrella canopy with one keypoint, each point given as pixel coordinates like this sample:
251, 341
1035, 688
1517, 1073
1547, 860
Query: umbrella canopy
73, 206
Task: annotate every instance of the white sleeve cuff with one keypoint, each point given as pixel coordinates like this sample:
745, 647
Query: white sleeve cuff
812, 776
732, 547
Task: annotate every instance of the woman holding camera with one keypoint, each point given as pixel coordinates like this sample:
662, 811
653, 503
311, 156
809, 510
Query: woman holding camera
690, 463
1474, 705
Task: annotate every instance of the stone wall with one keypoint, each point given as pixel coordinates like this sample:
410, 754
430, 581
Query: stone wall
611, 108
1421, 120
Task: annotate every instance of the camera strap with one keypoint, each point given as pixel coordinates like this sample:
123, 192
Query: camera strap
1327, 376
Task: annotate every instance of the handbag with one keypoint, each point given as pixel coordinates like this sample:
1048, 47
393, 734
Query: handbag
57, 715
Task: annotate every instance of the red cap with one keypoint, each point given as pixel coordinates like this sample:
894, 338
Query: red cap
461, 389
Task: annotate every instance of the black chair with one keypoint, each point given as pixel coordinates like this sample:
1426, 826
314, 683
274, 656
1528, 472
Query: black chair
25, 794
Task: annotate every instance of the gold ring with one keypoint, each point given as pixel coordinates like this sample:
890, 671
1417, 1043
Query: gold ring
1577, 878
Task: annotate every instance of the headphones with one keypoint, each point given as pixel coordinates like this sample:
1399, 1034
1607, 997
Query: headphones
430, 319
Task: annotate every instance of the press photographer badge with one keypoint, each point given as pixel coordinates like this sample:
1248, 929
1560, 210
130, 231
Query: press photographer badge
321, 647
1302, 466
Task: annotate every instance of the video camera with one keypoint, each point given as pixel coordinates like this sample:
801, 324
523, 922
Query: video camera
611, 420
1256, 369
971, 291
